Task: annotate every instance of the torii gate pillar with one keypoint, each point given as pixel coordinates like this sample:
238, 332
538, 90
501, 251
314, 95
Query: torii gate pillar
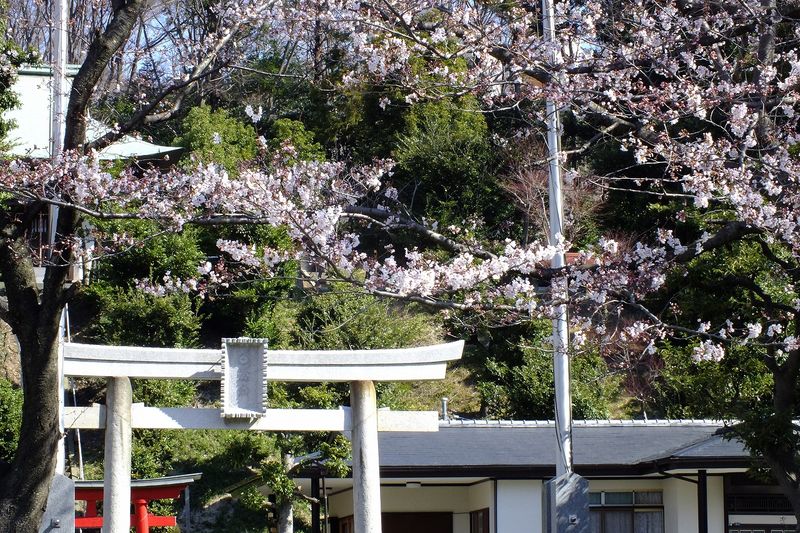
366, 464
117, 487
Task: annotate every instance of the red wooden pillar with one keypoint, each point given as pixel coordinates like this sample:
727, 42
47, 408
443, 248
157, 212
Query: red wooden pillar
91, 508
142, 519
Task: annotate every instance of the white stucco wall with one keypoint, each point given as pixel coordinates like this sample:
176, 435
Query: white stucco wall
716, 504
341, 503
461, 523
481, 496
680, 500
401, 499
519, 506
680, 506
424, 499
519, 502
459, 500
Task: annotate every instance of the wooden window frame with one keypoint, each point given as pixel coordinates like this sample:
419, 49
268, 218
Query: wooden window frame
474, 516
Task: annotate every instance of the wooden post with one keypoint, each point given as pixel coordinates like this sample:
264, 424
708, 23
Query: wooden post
702, 501
316, 527
141, 517
117, 460
366, 463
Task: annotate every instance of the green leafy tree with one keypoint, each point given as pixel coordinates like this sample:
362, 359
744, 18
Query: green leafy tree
154, 255
447, 164
515, 378
129, 317
285, 130
213, 136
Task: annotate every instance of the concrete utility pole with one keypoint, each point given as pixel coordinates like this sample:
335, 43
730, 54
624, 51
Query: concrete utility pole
563, 401
566, 495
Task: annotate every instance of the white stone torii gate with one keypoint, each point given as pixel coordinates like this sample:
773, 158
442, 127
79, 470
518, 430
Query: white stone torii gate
242, 364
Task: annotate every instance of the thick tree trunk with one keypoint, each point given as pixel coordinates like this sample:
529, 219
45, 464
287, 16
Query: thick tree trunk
286, 518
23, 492
782, 457
35, 317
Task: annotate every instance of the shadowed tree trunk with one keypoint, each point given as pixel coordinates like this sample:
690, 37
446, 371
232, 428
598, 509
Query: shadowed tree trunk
34, 314
34, 317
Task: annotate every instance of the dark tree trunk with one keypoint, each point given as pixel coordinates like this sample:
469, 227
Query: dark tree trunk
783, 457
34, 316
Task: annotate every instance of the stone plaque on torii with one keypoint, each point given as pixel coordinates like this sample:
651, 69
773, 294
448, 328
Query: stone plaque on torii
244, 368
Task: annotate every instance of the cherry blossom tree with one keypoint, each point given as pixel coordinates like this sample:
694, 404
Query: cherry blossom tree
704, 98
34, 312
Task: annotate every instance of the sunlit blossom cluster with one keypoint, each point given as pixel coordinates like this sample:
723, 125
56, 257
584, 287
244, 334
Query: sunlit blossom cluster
723, 129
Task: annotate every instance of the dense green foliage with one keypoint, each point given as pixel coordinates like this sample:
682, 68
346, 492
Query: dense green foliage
294, 133
129, 317
154, 254
445, 164
10, 418
515, 377
215, 136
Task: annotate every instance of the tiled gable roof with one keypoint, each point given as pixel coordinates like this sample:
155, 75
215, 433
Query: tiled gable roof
529, 446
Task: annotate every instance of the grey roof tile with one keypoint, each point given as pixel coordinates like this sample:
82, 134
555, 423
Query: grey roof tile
532, 444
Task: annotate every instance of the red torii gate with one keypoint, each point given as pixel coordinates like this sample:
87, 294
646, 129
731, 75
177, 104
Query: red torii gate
143, 491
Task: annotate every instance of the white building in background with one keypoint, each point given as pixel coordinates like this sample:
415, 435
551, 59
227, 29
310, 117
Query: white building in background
658, 476
32, 136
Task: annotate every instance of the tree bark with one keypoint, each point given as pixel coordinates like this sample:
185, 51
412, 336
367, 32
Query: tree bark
285, 508
782, 460
24, 491
35, 316
100, 52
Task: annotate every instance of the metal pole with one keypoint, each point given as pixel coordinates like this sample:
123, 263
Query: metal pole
366, 463
325, 497
117, 460
59, 51
61, 448
563, 399
59, 97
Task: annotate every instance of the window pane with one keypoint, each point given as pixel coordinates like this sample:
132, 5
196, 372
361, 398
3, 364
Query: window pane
594, 498
648, 522
651, 497
619, 498
618, 521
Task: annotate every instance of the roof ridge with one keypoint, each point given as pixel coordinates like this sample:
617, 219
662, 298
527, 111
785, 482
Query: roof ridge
658, 422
